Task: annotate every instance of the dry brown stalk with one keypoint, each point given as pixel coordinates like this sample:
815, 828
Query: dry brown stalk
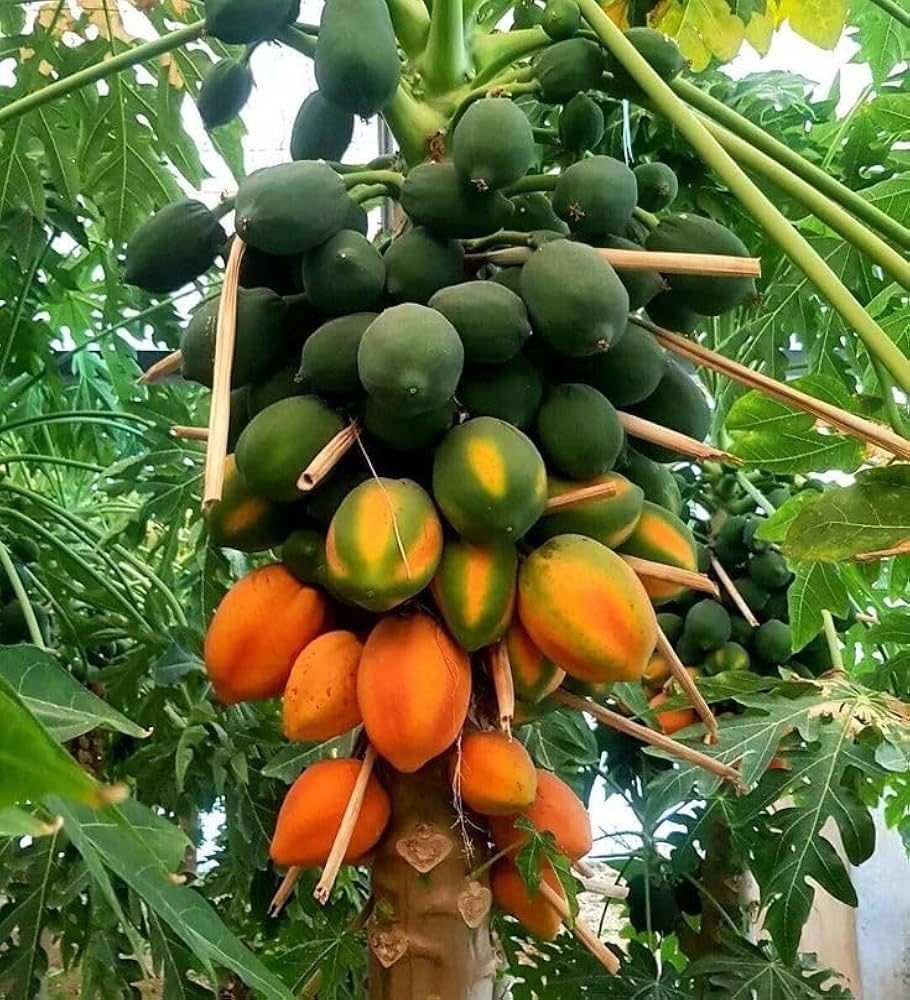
501, 671
735, 596
896, 550
716, 265
687, 683
284, 891
190, 433
648, 431
584, 494
581, 930
328, 458
161, 369
672, 574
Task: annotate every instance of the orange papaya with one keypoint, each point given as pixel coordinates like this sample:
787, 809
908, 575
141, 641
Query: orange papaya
242, 519
662, 537
673, 719
608, 520
493, 773
320, 699
657, 670
533, 675
534, 913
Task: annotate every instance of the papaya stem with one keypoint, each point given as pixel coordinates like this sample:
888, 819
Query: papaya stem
671, 574
101, 71
328, 458
224, 207
533, 182
412, 123
837, 657
283, 892
648, 218
782, 154
160, 370
495, 52
390, 178
185, 433
760, 499
28, 612
298, 40
758, 204
445, 63
896, 416
501, 671
733, 591
511, 87
685, 680
580, 929
891, 7
366, 192
411, 21
647, 430
505, 237
583, 494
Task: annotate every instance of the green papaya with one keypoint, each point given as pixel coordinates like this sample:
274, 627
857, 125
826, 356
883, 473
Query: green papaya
303, 553
492, 145
627, 373
243, 520
687, 650
265, 270
677, 403
173, 247
581, 124
346, 476
509, 277
25, 549
356, 218
772, 642
261, 343
291, 207
491, 321
561, 19
511, 392
769, 570
565, 68
410, 359
671, 624
686, 233
708, 625
225, 89
356, 61
240, 22
418, 264
14, 628
756, 597
579, 431
667, 311
328, 363
343, 275
434, 195
596, 196
412, 433
576, 302
753, 543
658, 186
239, 416
279, 443
609, 520
659, 52
730, 531
658, 483
730, 656
283, 383
740, 630
532, 212
321, 131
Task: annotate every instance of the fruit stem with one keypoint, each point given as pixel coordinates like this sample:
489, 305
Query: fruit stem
411, 21
580, 929
761, 207
837, 657
224, 207
782, 154
28, 612
513, 88
733, 591
891, 7
685, 680
368, 192
296, 39
497, 51
648, 218
505, 237
501, 671
760, 499
533, 182
412, 123
896, 416
391, 178
671, 574
445, 62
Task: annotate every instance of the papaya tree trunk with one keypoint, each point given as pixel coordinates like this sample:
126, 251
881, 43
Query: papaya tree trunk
429, 936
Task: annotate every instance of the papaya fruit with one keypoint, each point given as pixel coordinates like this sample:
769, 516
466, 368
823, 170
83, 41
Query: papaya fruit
608, 520
243, 520
674, 719
261, 625
434, 195
756, 597
303, 553
347, 475
356, 61
662, 537
356, 218
581, 124
769, 570
579, 431
532, 212
688, 233
239, 416
474, 589
416, 433
752, 542
14, 628
556, 809
283, 383
312, 811
492, 144
173, 247
668, 311
561, 19
671, 624
343, 275
586, 610
576, 302
418, 264
657, 481
687, 650
652, 904
730, 656
772, 642
410, 359
657, 671
320, 699
493, 773
565, 68
25, 549
658, 186
777, 606
708, 625
291, 207
532, 911
511, 391
596, 195
265, 270
328, 362
413, 688
627, 373
491, 321
534, 676
489, 481
659, 52
280, 442
225, 89
384, 544
677, 403
241, 22
321, 131
641, 286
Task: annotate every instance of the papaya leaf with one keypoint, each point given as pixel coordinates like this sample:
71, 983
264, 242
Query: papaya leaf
818, 21
817, 587
797, 451
893, 627
758, 412
775, 527
19, 823
290, 761
561, 741
538, 849
883, 43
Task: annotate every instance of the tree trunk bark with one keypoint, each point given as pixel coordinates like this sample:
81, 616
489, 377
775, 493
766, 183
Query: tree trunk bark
429, 935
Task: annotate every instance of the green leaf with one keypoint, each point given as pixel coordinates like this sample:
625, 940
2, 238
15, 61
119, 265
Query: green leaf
785, 452
288, 764
775, 527
20, 179
57, 699
561, 741
892, 627
758, 412
818, 21
19, 823
817, 587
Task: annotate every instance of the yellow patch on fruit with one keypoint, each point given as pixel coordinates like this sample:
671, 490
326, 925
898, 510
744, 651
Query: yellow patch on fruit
485, 461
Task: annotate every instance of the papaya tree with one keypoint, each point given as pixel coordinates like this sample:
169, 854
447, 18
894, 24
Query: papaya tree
579, 490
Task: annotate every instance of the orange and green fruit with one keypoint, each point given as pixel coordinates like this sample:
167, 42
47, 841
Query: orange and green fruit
534, 676
730, 656
663, 538
320, 699
608, 520
493, 773
242, 519
673, 719
533, 912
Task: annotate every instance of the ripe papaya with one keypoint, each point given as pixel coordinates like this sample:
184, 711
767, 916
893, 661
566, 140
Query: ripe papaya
474, 589
225, 89
434, 195
415, 433
280, 442
657, 671
312, 811
321, 131
608, 520
489, 481
586, 610
533, 912
561, 19
418, 264
240, 22
668, 311
283, 383
678, 403
328, 362
410, 359
657, 481
627, 373
291, 207
303, 553
576, 302
343, 275
661, 537
661, 54
673, 719
511, 391
658, 186
320, 699
491, 321
173, 247
567, 67
493, 773
413, 688
244, 521
531, 212
579, 431
492, 145
258, 630
730, 656
688, 233
596, 196
534, 677
384, 544
581, 124
356, 61
347, 475
708, 625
